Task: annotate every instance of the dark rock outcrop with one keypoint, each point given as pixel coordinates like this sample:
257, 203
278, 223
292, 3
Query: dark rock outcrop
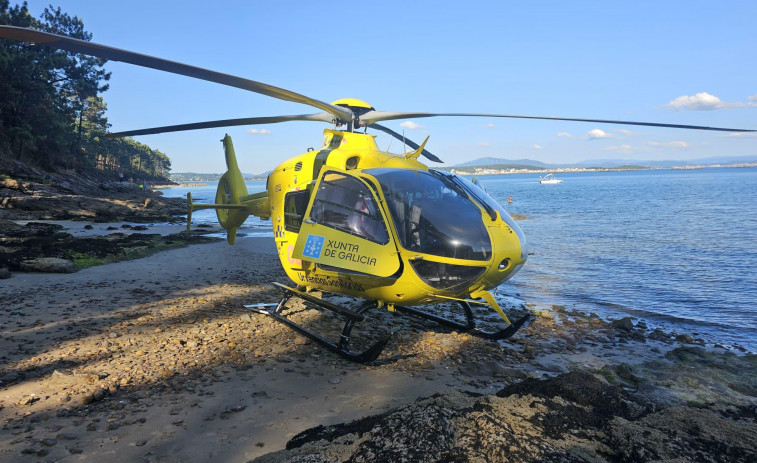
573, 417
70, 196
43, 247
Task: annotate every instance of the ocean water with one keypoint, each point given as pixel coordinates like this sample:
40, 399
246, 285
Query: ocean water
675, 248
207, 194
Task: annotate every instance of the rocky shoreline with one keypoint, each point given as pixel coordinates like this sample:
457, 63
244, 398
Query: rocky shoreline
46, 247
30, 194
30, 243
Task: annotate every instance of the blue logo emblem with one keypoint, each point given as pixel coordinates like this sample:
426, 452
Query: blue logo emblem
313, 246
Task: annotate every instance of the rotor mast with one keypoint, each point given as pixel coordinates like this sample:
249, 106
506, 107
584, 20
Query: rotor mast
357, 108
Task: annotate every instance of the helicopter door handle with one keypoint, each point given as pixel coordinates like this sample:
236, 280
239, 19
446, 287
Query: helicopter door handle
308, 221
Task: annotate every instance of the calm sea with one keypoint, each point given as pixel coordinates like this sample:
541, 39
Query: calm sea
675, 248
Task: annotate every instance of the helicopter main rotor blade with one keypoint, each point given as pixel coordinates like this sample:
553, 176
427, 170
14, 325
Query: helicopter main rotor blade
116, 54
409, 142
375, 116
319, 117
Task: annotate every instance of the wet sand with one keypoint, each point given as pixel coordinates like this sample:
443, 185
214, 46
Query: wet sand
156, 359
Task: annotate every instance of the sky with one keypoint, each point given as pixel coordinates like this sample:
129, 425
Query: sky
681, 62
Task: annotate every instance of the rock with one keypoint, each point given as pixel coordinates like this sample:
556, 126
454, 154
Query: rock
4, 273
48, 265
530, 352
547, 314
625, 372
685, 339
658, 335
96, 396
9, 377
149, 203
49, 442
226, 413
470, 427
426, 365
485, 369
88, 227
28, 400
624, 324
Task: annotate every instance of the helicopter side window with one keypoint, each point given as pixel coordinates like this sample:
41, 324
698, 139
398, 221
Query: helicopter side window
346, 204
295, 205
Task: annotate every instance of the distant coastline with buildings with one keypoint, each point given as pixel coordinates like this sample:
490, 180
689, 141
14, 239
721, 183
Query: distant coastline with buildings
501, 170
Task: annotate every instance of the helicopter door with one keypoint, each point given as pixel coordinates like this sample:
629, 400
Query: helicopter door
344, 227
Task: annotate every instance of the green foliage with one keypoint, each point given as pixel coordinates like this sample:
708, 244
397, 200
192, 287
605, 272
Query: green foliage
82, 260
51, 111
155, 245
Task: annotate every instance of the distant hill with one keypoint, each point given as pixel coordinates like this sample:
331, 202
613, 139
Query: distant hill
472, 169
502, 161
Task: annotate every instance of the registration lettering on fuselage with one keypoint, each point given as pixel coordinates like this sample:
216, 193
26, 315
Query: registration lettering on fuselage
330, 282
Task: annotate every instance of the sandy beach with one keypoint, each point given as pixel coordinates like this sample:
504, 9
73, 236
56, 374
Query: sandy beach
156, 359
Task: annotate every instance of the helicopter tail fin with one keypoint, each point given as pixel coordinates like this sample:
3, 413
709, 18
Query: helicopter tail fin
231, 188
233, 204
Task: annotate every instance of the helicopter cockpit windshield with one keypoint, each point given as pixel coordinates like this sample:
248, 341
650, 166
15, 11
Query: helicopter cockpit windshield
433, 215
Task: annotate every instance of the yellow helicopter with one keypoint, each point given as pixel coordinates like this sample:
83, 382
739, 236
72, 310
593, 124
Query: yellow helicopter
352, 219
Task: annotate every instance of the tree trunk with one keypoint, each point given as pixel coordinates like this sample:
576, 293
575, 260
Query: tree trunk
20, 149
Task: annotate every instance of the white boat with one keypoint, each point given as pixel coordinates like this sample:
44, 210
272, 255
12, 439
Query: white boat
549, 179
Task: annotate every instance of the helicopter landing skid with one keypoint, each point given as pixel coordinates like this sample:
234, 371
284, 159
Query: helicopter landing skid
470, 325
341, 347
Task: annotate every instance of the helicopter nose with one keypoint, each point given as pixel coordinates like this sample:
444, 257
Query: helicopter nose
519, 233
514, 249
